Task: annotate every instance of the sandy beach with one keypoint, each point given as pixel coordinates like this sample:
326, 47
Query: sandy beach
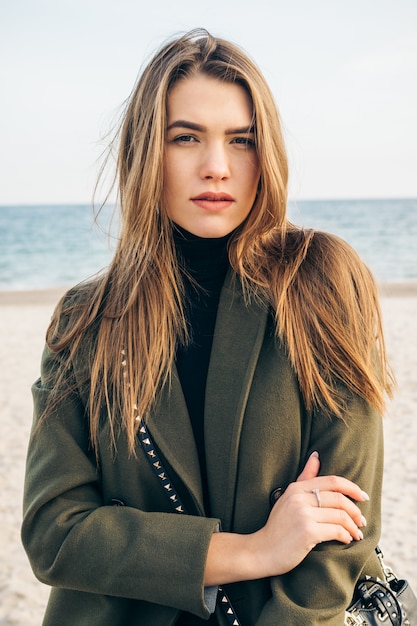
23, 320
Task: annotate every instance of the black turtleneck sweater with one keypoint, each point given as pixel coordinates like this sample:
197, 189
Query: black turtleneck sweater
206, 261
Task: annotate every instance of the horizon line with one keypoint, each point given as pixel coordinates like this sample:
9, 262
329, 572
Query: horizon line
290, 200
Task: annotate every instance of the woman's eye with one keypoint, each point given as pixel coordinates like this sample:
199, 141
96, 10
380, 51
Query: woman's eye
244, 141
184, 139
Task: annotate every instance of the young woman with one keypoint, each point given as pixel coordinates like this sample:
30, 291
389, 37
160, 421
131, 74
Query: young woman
252, 351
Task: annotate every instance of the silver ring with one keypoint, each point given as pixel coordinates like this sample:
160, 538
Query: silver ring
317, 494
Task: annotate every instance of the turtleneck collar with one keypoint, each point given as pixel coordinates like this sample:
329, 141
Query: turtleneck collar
204, 258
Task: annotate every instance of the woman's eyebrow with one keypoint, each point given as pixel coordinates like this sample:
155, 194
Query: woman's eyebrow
202, 129
189, 125
240, 131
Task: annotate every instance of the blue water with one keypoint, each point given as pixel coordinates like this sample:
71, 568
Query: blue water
47, 246
384, 232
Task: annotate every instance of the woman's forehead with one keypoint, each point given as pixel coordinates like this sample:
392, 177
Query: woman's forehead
205, 100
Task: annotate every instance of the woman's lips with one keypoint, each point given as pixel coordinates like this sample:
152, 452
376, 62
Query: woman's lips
212, 201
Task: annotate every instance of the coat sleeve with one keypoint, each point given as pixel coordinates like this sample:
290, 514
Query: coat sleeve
320, 588
74, 540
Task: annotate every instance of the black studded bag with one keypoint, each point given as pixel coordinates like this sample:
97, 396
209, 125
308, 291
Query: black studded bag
382, 603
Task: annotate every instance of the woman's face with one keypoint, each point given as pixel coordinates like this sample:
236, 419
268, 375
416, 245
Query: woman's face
211, 168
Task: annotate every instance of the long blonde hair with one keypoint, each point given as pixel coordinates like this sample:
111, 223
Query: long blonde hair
129, 322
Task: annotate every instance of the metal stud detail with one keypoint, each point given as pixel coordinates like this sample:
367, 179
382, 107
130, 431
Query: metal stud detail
177, 506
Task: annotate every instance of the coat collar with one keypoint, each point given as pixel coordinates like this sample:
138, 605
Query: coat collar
237, 341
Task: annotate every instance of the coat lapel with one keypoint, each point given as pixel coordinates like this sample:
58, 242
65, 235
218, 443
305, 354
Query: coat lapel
238, 338
170, 427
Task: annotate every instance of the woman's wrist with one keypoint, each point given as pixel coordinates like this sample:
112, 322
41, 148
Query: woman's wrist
232, 557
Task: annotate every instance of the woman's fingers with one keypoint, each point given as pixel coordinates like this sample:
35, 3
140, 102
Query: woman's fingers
334, 500
335, 532
333, 483
326, 507
338, 519
311, 468
309, 476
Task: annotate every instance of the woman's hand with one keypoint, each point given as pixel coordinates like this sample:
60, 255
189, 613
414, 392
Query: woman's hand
311, 510
299, 520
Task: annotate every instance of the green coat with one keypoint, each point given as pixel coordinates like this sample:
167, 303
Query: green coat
139, 564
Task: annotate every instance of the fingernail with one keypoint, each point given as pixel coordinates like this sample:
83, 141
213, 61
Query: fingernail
360, 533
364, 495
314, 454
363, 520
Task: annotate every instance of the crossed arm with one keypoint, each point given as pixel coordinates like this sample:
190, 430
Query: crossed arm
295, 526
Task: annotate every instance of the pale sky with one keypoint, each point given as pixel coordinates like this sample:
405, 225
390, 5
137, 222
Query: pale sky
344, 75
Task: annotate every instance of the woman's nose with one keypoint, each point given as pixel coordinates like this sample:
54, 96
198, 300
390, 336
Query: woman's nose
215, 164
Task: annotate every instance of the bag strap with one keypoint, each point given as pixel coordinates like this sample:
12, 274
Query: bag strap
177, 506
388, 573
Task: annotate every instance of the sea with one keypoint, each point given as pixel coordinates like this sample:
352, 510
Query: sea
44, 246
